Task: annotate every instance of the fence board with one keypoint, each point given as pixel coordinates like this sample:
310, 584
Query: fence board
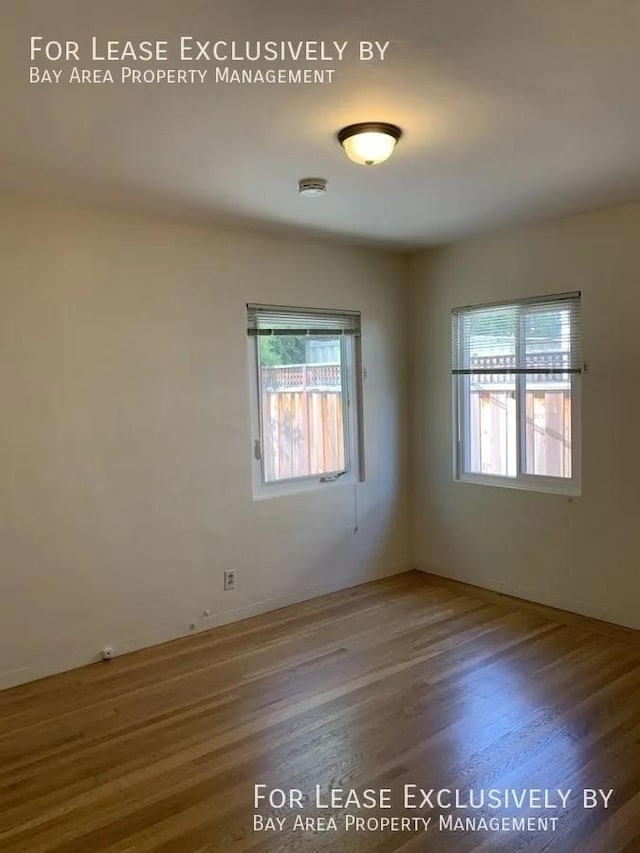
547, 432
303, 433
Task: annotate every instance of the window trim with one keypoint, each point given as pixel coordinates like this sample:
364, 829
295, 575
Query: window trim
568, 486
351, 373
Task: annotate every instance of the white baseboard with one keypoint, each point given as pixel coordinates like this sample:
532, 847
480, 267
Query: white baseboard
539, 596
52, 666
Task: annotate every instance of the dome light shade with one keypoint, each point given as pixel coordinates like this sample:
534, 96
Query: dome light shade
370, 142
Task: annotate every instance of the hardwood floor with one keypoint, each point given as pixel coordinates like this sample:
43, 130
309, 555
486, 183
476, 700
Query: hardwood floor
410, 680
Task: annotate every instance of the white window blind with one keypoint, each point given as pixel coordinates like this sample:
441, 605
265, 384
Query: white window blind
281, 320
536, 336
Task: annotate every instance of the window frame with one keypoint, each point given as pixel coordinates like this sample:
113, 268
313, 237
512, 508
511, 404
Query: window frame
351, 382
570, 486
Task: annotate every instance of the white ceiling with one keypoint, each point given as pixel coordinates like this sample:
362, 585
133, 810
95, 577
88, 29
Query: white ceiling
512, 110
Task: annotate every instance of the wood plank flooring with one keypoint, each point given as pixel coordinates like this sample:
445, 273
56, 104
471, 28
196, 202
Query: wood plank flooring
410, 680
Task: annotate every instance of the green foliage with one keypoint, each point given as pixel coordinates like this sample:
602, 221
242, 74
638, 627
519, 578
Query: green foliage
544, 324
492, 323
503, 323
278, 350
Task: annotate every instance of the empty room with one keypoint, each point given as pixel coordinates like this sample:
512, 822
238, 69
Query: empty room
319, 493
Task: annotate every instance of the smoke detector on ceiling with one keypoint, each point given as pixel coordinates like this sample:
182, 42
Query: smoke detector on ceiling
312, 187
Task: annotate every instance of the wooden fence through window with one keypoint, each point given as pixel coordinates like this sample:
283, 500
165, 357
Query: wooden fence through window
303, 420
492, 428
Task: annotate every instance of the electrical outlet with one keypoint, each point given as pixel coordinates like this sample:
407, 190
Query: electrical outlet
229, 579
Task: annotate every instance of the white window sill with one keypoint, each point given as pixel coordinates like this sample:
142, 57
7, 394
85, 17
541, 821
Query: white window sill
286, 488
546, 485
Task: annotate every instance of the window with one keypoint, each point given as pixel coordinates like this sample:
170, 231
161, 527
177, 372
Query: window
516, 379
305, 369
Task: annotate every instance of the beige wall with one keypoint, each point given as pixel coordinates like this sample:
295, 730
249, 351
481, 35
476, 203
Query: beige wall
581, 554
125, 446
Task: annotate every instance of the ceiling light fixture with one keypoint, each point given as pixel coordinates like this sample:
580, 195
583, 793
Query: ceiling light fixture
370, 142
